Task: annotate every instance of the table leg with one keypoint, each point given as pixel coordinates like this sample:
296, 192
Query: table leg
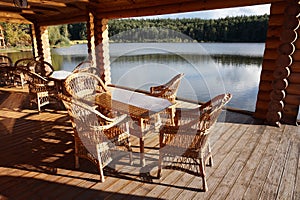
142, 154
142, 143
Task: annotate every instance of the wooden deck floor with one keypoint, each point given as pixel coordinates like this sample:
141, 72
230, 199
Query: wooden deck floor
251, 161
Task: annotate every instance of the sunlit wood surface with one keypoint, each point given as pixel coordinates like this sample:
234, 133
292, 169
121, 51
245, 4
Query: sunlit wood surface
251, 161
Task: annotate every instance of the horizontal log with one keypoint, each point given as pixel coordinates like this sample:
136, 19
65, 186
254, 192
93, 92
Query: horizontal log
292, 99
293, 88
297, 42
280, 84
289, 119
276, 20
267, 76
291, 22
273, 42
278, 7
271, 54
286, 48
265, 86
283, 61
295, 67
274, 32
277, 95
281, 72
292, 9
262, 105
294, 78
296, 55
260, 114
273, 118
276, 106
269, 64
288, 36
264, 96
291, 110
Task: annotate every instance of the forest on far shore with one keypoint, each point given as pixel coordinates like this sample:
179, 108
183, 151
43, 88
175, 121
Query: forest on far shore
229, 29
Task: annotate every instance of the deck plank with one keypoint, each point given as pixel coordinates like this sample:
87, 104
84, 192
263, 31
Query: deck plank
268, 146
274, 178
249, 160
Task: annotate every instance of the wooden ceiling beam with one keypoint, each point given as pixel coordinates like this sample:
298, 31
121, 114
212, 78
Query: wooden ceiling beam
189, 6
57, 20
13, 18
46, 3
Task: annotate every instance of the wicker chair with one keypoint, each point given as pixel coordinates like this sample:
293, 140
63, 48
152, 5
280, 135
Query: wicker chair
97, 137
40, 89
19, 67
86, 66
6, 64
167, 91
84, 85
188, 141
40, 67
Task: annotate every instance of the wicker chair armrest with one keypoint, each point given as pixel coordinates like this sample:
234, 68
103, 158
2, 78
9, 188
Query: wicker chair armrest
80, 102
158, 88
118, 120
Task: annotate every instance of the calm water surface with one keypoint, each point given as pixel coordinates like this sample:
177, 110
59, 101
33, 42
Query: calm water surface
209, 68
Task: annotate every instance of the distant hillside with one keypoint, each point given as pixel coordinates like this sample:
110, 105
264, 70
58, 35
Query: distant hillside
229, 29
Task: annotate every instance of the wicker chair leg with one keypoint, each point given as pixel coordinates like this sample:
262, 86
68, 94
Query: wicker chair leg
76, 162
100, 166
159, 166
210, 159
203, 174
130, 158
76, 156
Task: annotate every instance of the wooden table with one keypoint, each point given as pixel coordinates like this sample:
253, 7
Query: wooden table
59, 77
140, 107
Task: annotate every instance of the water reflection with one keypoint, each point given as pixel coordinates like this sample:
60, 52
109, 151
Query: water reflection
205, 76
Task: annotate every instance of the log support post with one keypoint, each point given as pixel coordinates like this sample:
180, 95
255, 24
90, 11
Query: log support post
98, 45
40, 41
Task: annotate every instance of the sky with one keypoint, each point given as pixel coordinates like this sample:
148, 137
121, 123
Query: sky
220, 13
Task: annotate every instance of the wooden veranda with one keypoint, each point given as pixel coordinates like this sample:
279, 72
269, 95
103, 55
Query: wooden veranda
251, 161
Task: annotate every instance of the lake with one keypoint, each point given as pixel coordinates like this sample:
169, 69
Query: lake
209, 68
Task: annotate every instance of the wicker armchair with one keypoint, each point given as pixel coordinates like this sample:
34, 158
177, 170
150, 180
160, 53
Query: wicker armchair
97, 137
6, 64
19, 67
40, 89
84, 85
86, 66
167, 91
40, 67
188, 141
5, 61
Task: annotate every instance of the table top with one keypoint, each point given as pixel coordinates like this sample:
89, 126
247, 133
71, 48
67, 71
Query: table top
60, 74
132, 103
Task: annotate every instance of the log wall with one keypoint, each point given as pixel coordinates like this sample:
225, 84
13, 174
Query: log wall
278, 97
